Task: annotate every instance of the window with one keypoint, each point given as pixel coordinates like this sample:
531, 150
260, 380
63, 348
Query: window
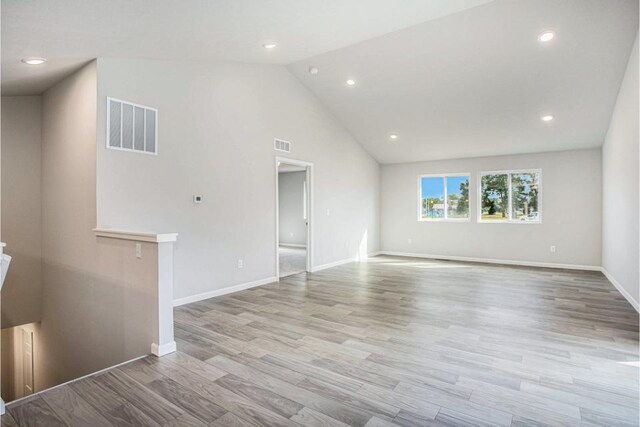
131, 127
443, 197
510, 196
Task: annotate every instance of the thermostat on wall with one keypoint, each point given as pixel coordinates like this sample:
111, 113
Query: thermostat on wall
197, 199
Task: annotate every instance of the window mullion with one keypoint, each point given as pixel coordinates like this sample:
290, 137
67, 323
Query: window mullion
444, 190
510, 201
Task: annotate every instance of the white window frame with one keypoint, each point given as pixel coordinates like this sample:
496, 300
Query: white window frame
108, 130
444, 191
510, 219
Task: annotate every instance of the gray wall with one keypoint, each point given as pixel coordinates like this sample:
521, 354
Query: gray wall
293, 229
98, 299
21, 210
620, 186
215, 138
571, 197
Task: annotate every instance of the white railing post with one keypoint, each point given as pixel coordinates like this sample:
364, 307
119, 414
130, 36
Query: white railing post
165, 342
5, 260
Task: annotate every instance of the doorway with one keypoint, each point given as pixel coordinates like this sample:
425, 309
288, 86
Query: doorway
293, 217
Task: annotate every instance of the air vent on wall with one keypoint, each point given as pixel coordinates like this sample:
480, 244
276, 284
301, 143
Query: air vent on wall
281, 145
131, 127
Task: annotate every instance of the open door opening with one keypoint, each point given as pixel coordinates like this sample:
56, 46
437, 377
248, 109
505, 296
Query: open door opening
293, 228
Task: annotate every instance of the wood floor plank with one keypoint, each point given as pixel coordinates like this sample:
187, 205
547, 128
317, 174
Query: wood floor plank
390, 341
230, 401
311, 418
7, 420
72, 409
186, 399
35, 413
266, 398
156, 408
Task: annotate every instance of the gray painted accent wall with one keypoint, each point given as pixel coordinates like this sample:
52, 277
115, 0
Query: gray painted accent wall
99, 300
21, 209
620, 252
571, 213
293, 228
216, 124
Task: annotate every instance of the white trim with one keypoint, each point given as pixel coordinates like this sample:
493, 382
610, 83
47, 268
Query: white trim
620, 289
138, 236
293, 245
510, 214
224, 291
346, 261
164, 349
2, 407
496, 261
445, 197
334, 264
13, 402
309, 180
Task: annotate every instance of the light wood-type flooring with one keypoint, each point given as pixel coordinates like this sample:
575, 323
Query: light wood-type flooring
394, 341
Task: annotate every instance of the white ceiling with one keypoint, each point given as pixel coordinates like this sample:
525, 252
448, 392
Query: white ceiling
453, 78
69, 33
476, 83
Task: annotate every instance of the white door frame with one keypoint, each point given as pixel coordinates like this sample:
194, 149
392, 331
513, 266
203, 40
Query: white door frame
309, 184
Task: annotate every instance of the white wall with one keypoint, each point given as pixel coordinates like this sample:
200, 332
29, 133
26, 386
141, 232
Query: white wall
620, 187
21, 210
571, 197
215, 137
293, 229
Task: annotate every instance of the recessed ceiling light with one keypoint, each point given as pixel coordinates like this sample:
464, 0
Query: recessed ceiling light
547, 36
351, 82
269, 45
34, 61
313, 70
547, 117
393, 136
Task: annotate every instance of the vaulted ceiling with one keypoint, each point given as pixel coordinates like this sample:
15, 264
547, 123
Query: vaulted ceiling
477, 82
450, 78
71, 32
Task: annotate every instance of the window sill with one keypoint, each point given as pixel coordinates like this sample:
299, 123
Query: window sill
445, 220
511, 222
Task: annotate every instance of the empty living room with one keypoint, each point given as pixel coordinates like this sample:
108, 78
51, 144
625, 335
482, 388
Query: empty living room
316, 213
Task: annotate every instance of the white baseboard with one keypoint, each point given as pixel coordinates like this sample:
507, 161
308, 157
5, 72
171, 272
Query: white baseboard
223, 291
13, 402
496, 261
293, 245
164, 349
620, 289
317, 268
344, 261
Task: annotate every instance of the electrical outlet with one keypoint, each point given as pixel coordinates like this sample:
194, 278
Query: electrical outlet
409, 241
240, 263
328, 212
197, 199
138, 250
552, 249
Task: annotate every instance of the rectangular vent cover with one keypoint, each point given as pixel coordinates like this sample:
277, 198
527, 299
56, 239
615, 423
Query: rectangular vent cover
281, 145
131, 127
